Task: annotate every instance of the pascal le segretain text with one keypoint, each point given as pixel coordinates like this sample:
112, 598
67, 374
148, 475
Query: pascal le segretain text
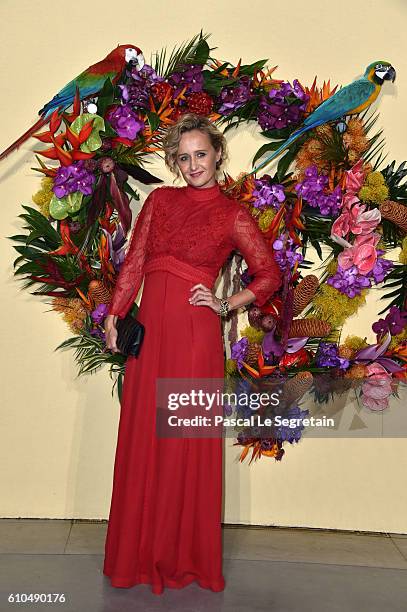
254, 420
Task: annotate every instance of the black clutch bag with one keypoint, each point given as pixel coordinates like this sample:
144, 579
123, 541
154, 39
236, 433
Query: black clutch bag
130, 334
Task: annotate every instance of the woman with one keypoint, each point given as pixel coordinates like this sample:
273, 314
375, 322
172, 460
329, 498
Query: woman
165, 517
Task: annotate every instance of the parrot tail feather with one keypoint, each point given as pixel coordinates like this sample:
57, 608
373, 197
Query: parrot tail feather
282, 148
15, 145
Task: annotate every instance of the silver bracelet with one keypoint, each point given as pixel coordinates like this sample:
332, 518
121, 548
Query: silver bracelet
224, 308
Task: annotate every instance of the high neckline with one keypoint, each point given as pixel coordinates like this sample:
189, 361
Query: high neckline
201, 194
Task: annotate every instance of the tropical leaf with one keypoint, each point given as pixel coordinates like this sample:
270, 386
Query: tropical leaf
106, 97
397, 277
395, 181
317, 231
37, 221
196, 50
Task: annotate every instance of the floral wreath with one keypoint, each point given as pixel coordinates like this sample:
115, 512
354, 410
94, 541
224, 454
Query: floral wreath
335, 196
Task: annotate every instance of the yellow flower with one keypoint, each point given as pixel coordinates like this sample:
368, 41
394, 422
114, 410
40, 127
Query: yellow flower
375, 178
230, 367
43, 197
266, 218
252, 334
332, 267
355, 342
333, 306
375, 189
396, 340
403, 252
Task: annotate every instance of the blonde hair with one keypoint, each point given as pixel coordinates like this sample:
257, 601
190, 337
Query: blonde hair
187, 122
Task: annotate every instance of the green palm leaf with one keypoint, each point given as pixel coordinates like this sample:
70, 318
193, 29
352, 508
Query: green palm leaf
396, 281
194, 51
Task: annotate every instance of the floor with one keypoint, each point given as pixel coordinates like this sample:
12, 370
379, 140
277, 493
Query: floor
273, 569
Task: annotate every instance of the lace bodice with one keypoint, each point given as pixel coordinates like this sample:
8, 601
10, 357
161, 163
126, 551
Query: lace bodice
200, 227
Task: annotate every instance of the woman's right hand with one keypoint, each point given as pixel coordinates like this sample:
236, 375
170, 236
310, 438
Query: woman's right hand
111, 333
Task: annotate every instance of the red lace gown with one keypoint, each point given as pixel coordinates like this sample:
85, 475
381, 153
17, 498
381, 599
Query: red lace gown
165, 518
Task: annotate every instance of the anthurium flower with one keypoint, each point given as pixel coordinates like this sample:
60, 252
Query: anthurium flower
377, 388
90, 139
366, 220
355, 177
362, 254
348, 200
356, 220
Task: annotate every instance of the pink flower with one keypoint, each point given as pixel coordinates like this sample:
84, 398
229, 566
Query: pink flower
373, 239
341, 225
377, 388
363, 257
364, 222
348, 200
355, 177
362, 254
357, 220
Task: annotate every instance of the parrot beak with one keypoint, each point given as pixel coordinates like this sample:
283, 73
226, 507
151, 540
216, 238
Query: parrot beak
390, 74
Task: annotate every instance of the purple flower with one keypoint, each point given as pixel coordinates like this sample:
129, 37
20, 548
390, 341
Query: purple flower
99, 314
329, 204
245, 277
291, 434
136, 95
189, 75
146, 74
97, 332
268, 194
72, 178
267, 443
349, 282
233, 97
381, 269
137, 90
313, 190
286, 254
394, 322
328, 356
282, 107
125, 121
239, 351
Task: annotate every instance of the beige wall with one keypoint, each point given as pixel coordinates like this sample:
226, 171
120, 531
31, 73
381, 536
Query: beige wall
58, 433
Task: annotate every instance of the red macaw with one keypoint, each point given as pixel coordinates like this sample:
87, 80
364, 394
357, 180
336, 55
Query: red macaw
89, 82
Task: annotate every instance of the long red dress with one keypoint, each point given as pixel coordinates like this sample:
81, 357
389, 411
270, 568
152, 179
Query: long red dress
165, 517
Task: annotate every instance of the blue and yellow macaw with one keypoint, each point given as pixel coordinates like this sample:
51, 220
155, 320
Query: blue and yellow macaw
89, 83
348, 100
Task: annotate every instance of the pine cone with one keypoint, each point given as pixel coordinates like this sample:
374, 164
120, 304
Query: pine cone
395, 212
311, 327
253, 352
98, 292
304, 292
297, 386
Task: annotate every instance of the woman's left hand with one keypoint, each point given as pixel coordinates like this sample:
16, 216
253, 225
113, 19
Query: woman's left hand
202, 296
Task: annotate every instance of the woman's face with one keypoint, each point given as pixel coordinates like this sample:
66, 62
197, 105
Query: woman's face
196, 158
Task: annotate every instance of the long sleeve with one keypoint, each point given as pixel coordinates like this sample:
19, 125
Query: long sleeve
249, 240
130, 276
